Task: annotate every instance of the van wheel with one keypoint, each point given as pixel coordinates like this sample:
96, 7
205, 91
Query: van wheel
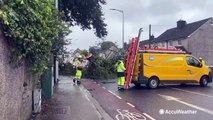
204, 81
153, 83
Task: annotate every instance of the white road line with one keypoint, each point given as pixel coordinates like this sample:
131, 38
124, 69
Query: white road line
196, 107
87, 97
149, 116
115, 94
192, 92
185, 103
118, 97
110, 91
103, 87
81, 89
130, 104
99, 84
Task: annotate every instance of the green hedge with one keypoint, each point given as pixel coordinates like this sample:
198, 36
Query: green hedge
100, 68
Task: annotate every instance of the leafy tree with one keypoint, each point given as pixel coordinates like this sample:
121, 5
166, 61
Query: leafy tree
84, 52
85, 13
32, 31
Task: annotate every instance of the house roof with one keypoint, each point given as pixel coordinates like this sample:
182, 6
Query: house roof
181, 33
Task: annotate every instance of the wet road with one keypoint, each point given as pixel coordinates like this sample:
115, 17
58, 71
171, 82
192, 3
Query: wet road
171, 102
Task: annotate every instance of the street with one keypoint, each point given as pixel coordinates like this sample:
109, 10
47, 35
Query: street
171, 102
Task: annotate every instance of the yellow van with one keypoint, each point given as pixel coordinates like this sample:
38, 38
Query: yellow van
155, 68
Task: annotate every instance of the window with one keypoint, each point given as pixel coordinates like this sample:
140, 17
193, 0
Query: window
170, 43
179, 42
193, 62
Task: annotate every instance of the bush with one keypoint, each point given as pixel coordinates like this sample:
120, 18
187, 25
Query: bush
101, 68
66, 69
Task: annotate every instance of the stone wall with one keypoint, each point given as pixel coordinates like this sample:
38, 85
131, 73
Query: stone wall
15, 87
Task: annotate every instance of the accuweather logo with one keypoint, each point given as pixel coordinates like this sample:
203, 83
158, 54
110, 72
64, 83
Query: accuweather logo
178, 111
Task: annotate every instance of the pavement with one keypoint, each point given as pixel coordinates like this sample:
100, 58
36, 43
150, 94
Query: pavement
71, 102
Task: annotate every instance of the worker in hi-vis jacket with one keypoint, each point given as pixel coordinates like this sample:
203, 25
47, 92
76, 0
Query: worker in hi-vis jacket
120, 68
79, 66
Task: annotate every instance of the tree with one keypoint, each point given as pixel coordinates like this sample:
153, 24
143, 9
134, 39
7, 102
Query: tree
32, 31
84, 52
85, 13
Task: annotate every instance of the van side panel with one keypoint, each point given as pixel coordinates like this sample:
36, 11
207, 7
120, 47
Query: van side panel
165, 66
172, 68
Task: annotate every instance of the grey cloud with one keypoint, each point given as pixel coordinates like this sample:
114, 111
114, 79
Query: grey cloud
162, 14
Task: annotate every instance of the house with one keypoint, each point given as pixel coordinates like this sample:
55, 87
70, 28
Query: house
196, 37
71, 56
109, 53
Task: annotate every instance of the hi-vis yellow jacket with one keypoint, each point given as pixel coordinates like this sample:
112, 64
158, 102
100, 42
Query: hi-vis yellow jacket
120, 66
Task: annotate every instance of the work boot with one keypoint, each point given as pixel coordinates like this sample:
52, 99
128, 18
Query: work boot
78, 82
74, 80
122, 87
119, 87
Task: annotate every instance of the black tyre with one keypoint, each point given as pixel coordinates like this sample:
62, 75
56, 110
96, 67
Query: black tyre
183, 84
204, 81
153, 83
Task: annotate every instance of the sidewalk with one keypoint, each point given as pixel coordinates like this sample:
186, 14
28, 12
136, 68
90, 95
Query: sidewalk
71, 102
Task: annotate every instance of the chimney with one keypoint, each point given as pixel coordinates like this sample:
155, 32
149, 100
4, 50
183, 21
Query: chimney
181, 24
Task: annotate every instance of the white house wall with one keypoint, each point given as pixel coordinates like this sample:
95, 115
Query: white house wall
201, 42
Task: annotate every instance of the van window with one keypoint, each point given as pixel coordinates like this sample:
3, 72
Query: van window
193, 62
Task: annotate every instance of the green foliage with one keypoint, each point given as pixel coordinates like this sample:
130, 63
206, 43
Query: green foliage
32, 30
101, 68
84, 52
85, 13
67, 69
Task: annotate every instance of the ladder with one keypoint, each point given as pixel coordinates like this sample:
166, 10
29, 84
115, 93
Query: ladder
130, 62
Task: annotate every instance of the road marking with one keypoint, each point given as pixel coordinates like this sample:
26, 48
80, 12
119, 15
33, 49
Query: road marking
185, 103
192, 92
126, 114
130, 104
118, 97
111, 92
99, 84
149, 116
103, 87
87, 97
115, 94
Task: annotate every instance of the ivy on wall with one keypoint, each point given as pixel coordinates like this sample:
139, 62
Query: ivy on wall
32, 29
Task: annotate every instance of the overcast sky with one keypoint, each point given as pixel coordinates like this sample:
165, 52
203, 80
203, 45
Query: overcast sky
161, 14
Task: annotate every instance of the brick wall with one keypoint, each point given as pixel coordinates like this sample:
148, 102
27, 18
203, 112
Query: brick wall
15, 98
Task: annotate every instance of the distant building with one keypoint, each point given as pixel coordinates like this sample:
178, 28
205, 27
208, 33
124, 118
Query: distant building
196, 37
71, 56
109, 53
